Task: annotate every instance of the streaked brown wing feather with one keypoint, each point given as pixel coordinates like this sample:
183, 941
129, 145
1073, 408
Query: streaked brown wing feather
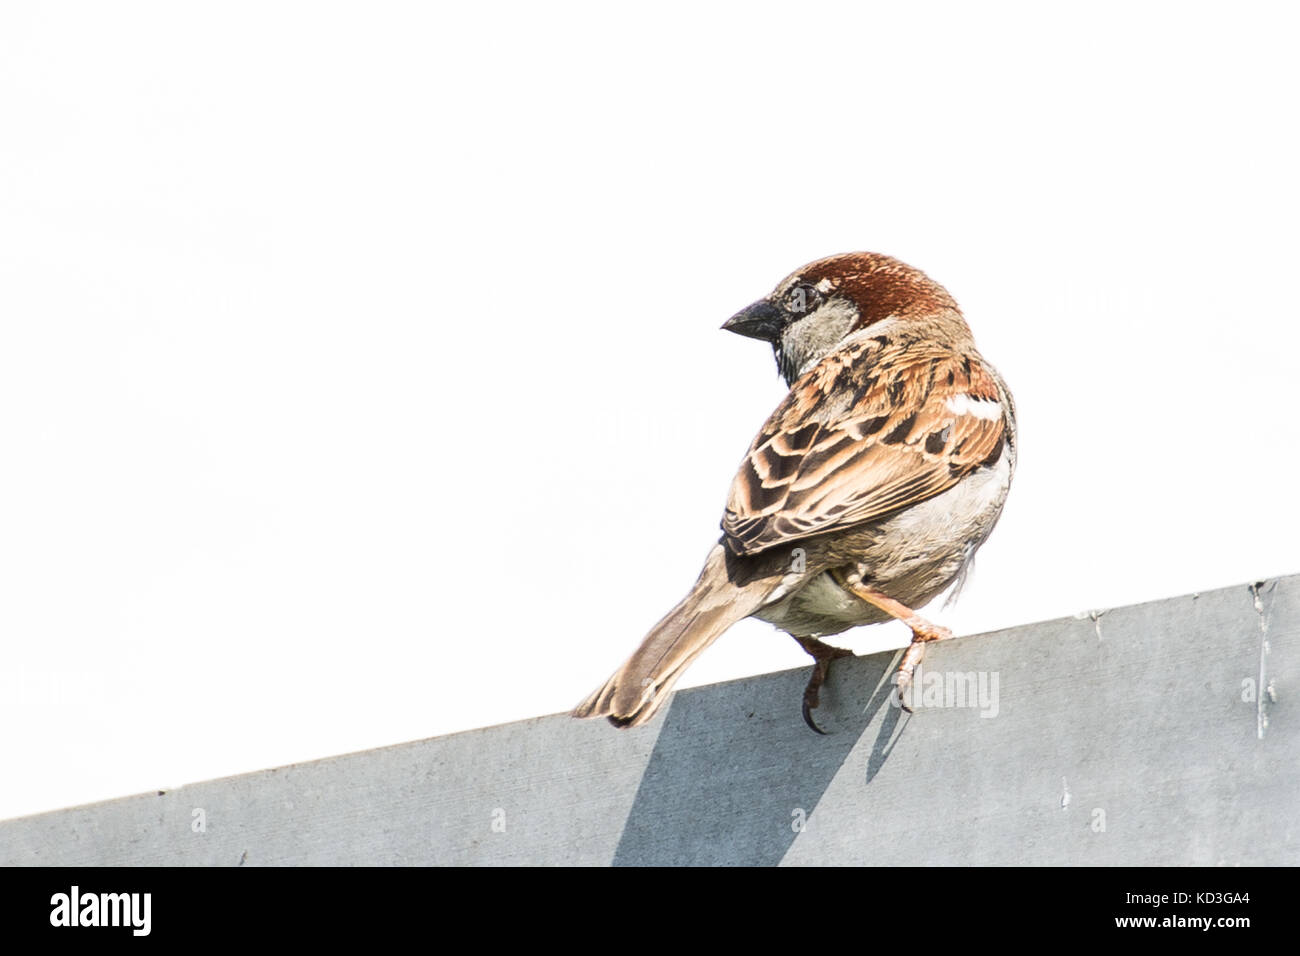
871, 429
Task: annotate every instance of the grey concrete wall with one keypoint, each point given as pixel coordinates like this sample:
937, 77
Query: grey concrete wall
1165, 733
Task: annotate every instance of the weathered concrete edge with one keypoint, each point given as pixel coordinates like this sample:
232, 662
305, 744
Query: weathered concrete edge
383, 789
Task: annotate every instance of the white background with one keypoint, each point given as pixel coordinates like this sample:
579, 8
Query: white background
360, 372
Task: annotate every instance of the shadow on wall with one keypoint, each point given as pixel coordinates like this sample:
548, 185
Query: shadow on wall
730, 783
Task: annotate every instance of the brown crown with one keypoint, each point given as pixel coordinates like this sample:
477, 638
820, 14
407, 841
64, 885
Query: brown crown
879, 285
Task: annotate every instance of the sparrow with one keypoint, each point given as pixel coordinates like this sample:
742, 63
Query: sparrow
864, 496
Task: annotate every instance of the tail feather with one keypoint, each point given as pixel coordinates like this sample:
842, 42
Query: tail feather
637, 689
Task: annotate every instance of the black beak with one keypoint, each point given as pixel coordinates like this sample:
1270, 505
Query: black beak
762, 320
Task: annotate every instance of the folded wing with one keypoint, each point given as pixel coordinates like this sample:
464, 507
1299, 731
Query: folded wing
911, 423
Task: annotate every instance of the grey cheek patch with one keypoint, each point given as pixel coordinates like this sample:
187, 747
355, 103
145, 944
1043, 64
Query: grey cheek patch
810, 338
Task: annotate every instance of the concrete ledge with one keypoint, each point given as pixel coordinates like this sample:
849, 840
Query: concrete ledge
1164, 733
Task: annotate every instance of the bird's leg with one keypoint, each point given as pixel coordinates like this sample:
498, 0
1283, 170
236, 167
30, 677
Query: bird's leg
822, 654
923, 632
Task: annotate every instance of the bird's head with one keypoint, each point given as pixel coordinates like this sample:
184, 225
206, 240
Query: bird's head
814, 310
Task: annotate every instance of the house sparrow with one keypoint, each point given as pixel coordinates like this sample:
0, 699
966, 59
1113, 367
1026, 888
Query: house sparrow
865, 494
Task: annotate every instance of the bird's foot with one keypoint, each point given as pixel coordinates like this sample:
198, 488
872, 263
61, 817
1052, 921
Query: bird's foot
923, 633
822, 655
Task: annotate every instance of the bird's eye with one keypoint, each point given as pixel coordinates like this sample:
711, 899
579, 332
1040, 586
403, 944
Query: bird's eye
802, 298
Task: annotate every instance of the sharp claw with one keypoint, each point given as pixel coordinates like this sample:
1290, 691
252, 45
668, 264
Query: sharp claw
822, 655
911, 658
904, 684
808, 719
